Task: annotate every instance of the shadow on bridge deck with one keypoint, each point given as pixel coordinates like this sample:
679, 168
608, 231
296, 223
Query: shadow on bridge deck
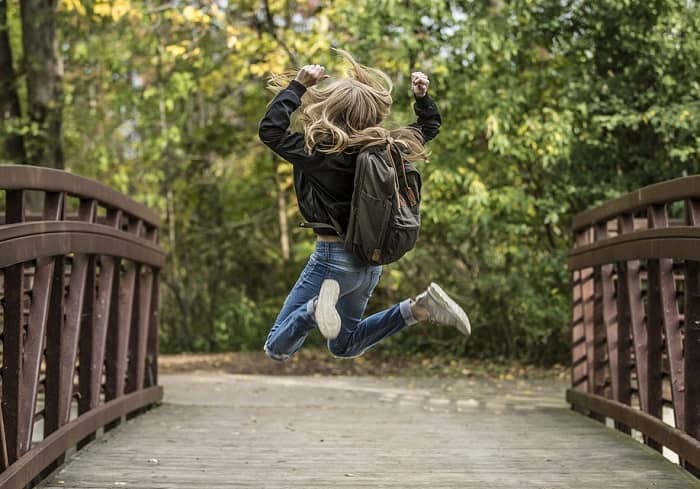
218, 431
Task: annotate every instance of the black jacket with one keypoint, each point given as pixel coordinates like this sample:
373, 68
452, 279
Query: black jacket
324, 182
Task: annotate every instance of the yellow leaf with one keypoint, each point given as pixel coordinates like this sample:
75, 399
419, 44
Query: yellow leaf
195, 15
176, 50
73, 5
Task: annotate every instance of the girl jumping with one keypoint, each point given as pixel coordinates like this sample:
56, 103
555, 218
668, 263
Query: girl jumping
341, 116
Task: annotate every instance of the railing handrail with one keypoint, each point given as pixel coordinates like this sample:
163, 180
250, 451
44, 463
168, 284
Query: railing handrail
89, 311
679, 242
659, 193
49, 238
26, 177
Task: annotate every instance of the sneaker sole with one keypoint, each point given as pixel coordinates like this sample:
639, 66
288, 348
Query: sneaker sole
463, 325
327, 315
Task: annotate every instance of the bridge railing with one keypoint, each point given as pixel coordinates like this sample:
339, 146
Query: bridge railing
636, 315
79, 290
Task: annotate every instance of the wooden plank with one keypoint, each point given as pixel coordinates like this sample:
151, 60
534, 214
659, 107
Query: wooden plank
666, 435
655, 326
578, 332
628, 293
153, 333
118, 339
12, 334
77, 293
104, 312
137, 364
605, 317
20, 474
36, 331
691, 359
587, 298
671, 323
236, 431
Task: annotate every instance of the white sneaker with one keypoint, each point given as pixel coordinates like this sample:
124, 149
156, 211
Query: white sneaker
326, 314
444, 310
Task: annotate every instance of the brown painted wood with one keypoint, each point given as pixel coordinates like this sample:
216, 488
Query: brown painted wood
22, 472
12, 335
605, 317
578, 331
671, 324
587, 297
675, 190
677, 242
691, 358
93, 345
655, 325
628, 318
4, 460
36, 330
122, 336
54, 342
20, 243
137, 362
51, 330
153, 333
662, 433
26, 177
75, 302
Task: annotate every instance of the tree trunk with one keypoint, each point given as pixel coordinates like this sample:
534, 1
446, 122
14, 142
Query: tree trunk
282, 214
10, 109
44, 75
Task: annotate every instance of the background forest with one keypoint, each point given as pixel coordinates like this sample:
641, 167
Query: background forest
549, 106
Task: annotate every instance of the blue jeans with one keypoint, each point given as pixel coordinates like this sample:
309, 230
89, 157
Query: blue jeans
357, 281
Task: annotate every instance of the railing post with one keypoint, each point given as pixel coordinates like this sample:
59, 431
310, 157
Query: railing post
691, 351
664, 314
12, 335
630, 319
578, 333
103, 317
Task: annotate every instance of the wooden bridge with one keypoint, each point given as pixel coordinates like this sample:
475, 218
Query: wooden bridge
79, 370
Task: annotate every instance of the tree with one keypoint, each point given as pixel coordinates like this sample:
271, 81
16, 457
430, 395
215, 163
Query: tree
36, 136
43, 72
10, 109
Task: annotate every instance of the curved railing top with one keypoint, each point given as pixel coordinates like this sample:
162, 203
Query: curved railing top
24, 177
659, 193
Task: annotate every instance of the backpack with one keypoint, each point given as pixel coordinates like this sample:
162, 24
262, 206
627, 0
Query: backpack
385, 210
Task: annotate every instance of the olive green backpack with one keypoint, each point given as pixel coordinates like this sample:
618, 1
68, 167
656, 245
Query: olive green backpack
385, 212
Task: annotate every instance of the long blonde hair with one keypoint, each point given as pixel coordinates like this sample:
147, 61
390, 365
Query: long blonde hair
345, 113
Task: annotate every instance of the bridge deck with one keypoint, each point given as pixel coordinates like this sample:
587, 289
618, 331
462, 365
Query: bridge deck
217, 431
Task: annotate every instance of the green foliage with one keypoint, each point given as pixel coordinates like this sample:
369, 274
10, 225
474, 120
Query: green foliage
549, 106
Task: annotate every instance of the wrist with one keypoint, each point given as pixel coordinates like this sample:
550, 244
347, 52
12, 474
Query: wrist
297, 87
424, 102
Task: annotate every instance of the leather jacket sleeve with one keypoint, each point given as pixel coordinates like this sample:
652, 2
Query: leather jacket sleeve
274, 127
429, 119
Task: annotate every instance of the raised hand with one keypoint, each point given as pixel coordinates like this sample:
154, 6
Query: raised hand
310, 75
420, 82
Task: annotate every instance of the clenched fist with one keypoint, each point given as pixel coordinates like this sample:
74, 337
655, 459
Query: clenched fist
420, 83
310, 75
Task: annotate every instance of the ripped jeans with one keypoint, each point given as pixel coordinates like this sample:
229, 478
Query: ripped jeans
357, 281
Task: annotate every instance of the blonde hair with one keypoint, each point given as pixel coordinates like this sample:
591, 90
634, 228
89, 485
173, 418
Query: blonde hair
345, 113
